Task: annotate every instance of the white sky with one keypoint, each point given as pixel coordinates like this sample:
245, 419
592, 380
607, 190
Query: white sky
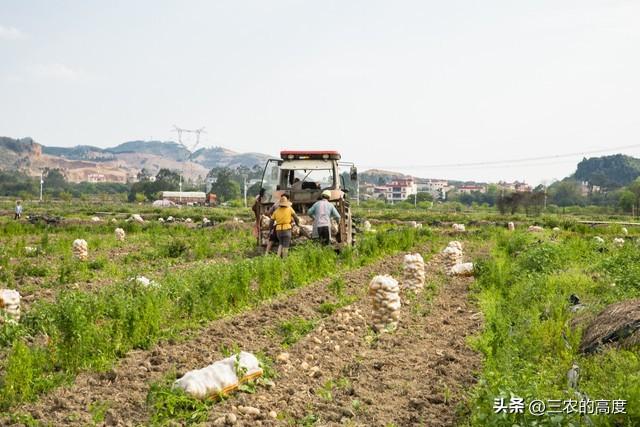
392, 84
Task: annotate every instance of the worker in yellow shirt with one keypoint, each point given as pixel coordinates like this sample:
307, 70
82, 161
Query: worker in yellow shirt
283, 217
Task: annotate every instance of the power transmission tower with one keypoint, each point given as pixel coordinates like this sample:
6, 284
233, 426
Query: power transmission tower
190, 148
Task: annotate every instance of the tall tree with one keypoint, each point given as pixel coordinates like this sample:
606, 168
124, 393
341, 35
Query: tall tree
225, 187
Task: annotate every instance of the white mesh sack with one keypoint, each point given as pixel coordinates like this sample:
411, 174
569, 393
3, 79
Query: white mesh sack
220, 377
80, 249
459, 227
120, 234
413, 269
136, 218
452, 254
9, 305
462, 269
385, 298
511, 226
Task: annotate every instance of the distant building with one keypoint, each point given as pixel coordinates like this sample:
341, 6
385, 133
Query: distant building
367, 189
517, 186
397, 190
436, 187
185, 197
96, 177
468, 189
587, 189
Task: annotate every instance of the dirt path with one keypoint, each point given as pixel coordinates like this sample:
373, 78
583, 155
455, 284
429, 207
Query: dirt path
414, 376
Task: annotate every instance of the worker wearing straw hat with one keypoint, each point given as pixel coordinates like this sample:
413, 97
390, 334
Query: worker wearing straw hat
283, 216
322, 211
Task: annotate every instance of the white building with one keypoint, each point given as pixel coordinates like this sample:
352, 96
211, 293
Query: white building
397, 190
436, 187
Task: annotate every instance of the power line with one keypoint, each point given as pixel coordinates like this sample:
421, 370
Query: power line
511, 161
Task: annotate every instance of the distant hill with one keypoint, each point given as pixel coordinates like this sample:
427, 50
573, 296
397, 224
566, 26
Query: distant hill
80, 152
608, 171
218, 156
119, 163
379, 176
169, 149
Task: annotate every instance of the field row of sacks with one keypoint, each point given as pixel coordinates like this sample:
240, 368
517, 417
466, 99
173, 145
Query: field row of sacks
170, 219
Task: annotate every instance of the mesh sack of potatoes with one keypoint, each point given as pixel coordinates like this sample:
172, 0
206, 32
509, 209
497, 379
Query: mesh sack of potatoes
413, 272
136, 218
366, 226
80, 249
334, 227
452, 254
618, 241
305, 220
459, 227
9, 305
220, 377
95, 219
144, 282
535, 228
306, 231
462, 269
511, 226
385, 298
264, 222
120, 234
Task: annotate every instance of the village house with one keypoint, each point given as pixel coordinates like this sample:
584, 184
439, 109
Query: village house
468, 189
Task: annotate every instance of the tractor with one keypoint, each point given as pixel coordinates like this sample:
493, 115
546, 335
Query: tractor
302, 176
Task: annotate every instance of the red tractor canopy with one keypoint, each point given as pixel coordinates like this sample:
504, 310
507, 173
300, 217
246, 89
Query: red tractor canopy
309, 155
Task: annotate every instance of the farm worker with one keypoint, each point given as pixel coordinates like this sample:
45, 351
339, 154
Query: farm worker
322, 211
256, 205
273, 238
256, 211
18, 210
282, 217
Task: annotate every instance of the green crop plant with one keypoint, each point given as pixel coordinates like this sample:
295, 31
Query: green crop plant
167, 403
528, 344
294, 329
89, 331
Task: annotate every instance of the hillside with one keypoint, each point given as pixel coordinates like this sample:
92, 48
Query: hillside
218, 156
119, 163
80, 152
168, 149
608, 171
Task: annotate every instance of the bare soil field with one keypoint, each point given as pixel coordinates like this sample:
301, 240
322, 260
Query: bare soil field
338, 373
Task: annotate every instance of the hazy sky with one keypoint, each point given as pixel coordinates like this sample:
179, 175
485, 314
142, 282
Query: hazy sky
406, 85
